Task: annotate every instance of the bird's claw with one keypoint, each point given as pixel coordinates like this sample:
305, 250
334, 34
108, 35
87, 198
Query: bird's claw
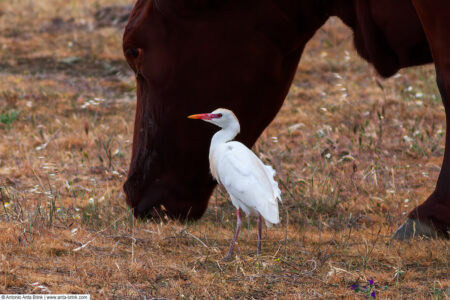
227, 257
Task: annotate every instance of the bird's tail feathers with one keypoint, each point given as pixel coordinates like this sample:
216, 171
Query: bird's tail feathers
270, 213
277, 191
271, 173
270, 224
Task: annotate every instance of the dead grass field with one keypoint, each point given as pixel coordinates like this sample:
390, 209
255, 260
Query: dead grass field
353, 152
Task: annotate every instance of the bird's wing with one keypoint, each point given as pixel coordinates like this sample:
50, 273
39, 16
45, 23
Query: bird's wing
247, 180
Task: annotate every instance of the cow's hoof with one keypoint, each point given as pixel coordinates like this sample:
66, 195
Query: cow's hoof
412, 228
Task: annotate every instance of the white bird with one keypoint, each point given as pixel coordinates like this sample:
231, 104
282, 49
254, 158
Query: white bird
248, 181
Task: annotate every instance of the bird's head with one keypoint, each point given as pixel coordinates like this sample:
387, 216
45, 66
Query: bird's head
222, 117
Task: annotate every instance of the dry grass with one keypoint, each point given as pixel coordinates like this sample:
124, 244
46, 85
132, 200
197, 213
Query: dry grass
353, 153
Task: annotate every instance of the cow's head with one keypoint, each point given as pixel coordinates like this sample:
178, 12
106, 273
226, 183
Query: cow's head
193, 56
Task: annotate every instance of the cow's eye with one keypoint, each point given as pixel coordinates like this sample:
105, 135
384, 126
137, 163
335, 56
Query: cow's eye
133, 52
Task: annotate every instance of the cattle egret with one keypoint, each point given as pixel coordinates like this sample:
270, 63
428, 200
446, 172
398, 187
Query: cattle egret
247, 180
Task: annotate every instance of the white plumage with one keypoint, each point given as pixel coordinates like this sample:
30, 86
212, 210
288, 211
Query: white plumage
248, 181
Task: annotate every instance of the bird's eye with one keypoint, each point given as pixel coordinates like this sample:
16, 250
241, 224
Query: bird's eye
219, 115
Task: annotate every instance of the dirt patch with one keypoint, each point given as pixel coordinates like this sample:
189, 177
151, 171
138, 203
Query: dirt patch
72, 66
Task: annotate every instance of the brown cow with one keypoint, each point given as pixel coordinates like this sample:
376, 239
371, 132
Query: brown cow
197, 55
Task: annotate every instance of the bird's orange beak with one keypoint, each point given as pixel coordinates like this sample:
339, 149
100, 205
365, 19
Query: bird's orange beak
204, 116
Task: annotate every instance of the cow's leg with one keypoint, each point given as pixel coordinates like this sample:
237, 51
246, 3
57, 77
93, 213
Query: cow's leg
432, 218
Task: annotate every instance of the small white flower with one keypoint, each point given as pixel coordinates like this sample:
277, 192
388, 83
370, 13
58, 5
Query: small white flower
337, 75
346, 56
295, 126
321, 133
407, 139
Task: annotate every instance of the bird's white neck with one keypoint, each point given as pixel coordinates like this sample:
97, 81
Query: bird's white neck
226, 134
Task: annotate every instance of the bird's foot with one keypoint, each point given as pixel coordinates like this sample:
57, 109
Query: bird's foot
230, 253
227, 258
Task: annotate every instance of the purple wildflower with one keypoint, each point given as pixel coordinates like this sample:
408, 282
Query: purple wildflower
354, 287
370, 282
372, 295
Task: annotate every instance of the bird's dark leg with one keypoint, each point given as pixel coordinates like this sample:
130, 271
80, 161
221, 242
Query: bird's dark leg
233, 242
258, 243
